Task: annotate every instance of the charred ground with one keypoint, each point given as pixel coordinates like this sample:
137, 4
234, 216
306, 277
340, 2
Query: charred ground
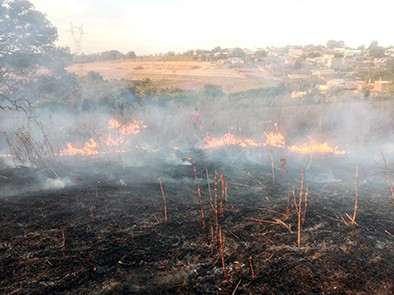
106, 233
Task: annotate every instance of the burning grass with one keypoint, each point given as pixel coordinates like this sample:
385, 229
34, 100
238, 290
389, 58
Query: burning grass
129, 206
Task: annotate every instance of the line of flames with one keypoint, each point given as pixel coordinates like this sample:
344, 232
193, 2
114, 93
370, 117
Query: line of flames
92, 146
228, 139
272, 140
322, 148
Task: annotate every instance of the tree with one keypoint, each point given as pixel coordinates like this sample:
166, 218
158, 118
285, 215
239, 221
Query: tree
145, 89
375, 50
298, 64
170, 54
261, 53
374, 43
130, 55
27, 43
237, 52
94, 76
111, 55
217, 49
335, 44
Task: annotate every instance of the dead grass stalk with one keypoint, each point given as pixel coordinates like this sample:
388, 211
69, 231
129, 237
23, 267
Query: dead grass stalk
164, 200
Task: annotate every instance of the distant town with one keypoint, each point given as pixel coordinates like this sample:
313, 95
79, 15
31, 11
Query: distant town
332, 70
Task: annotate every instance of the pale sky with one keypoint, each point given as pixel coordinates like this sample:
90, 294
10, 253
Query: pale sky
154, 26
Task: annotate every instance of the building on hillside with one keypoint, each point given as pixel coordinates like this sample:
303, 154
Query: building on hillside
324, 73
336, 83
236, 60
339, 64
381, 86
299, 76
295, 52
389, 52
348, 52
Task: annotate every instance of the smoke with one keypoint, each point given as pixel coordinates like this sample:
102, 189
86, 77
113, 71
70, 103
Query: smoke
56, 183
165, 138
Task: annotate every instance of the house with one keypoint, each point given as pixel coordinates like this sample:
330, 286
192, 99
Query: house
348, 52
324, 73
336, 83
339, 64
389, 52
381, 86
299, 76
236, 60
295, 52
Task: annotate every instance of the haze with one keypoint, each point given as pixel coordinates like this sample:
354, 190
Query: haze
154, 26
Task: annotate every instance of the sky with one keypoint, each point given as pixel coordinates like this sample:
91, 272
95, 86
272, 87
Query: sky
154, 26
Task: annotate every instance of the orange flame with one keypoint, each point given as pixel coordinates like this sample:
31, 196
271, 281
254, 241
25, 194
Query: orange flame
92, 146
89, 148
110, 141
274, 140
228, 139
130, 129
312, 148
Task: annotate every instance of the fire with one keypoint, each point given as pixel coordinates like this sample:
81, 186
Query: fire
99, 145
110, 141
89, 148
119, 143
274, 140
130, 129
228, 139
322, 148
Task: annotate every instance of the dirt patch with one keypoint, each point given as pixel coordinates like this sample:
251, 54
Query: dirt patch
186, 75
107, 236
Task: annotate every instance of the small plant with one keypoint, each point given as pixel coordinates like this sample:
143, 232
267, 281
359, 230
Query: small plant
251, 268
223, 195
353, 218
215, 205
301, 211
92, 216
198, 193
164, 200
388, 177
221, 239
63, 244
209, 185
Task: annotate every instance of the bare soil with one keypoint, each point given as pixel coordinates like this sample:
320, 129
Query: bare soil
186, 75
106, 233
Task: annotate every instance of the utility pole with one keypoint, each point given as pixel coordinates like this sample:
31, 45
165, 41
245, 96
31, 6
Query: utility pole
78, 36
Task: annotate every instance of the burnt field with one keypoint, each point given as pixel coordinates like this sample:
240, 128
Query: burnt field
100, 227
254, 200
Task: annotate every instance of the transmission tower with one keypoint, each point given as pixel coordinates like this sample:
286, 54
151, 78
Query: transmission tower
77, 35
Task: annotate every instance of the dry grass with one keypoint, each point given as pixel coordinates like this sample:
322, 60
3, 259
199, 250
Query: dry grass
186, 75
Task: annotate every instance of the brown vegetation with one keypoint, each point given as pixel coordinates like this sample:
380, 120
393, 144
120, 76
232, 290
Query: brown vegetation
186, 75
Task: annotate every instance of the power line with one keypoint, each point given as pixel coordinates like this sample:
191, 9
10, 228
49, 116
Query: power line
78, 36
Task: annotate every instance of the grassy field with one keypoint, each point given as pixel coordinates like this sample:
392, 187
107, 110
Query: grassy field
186, 75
